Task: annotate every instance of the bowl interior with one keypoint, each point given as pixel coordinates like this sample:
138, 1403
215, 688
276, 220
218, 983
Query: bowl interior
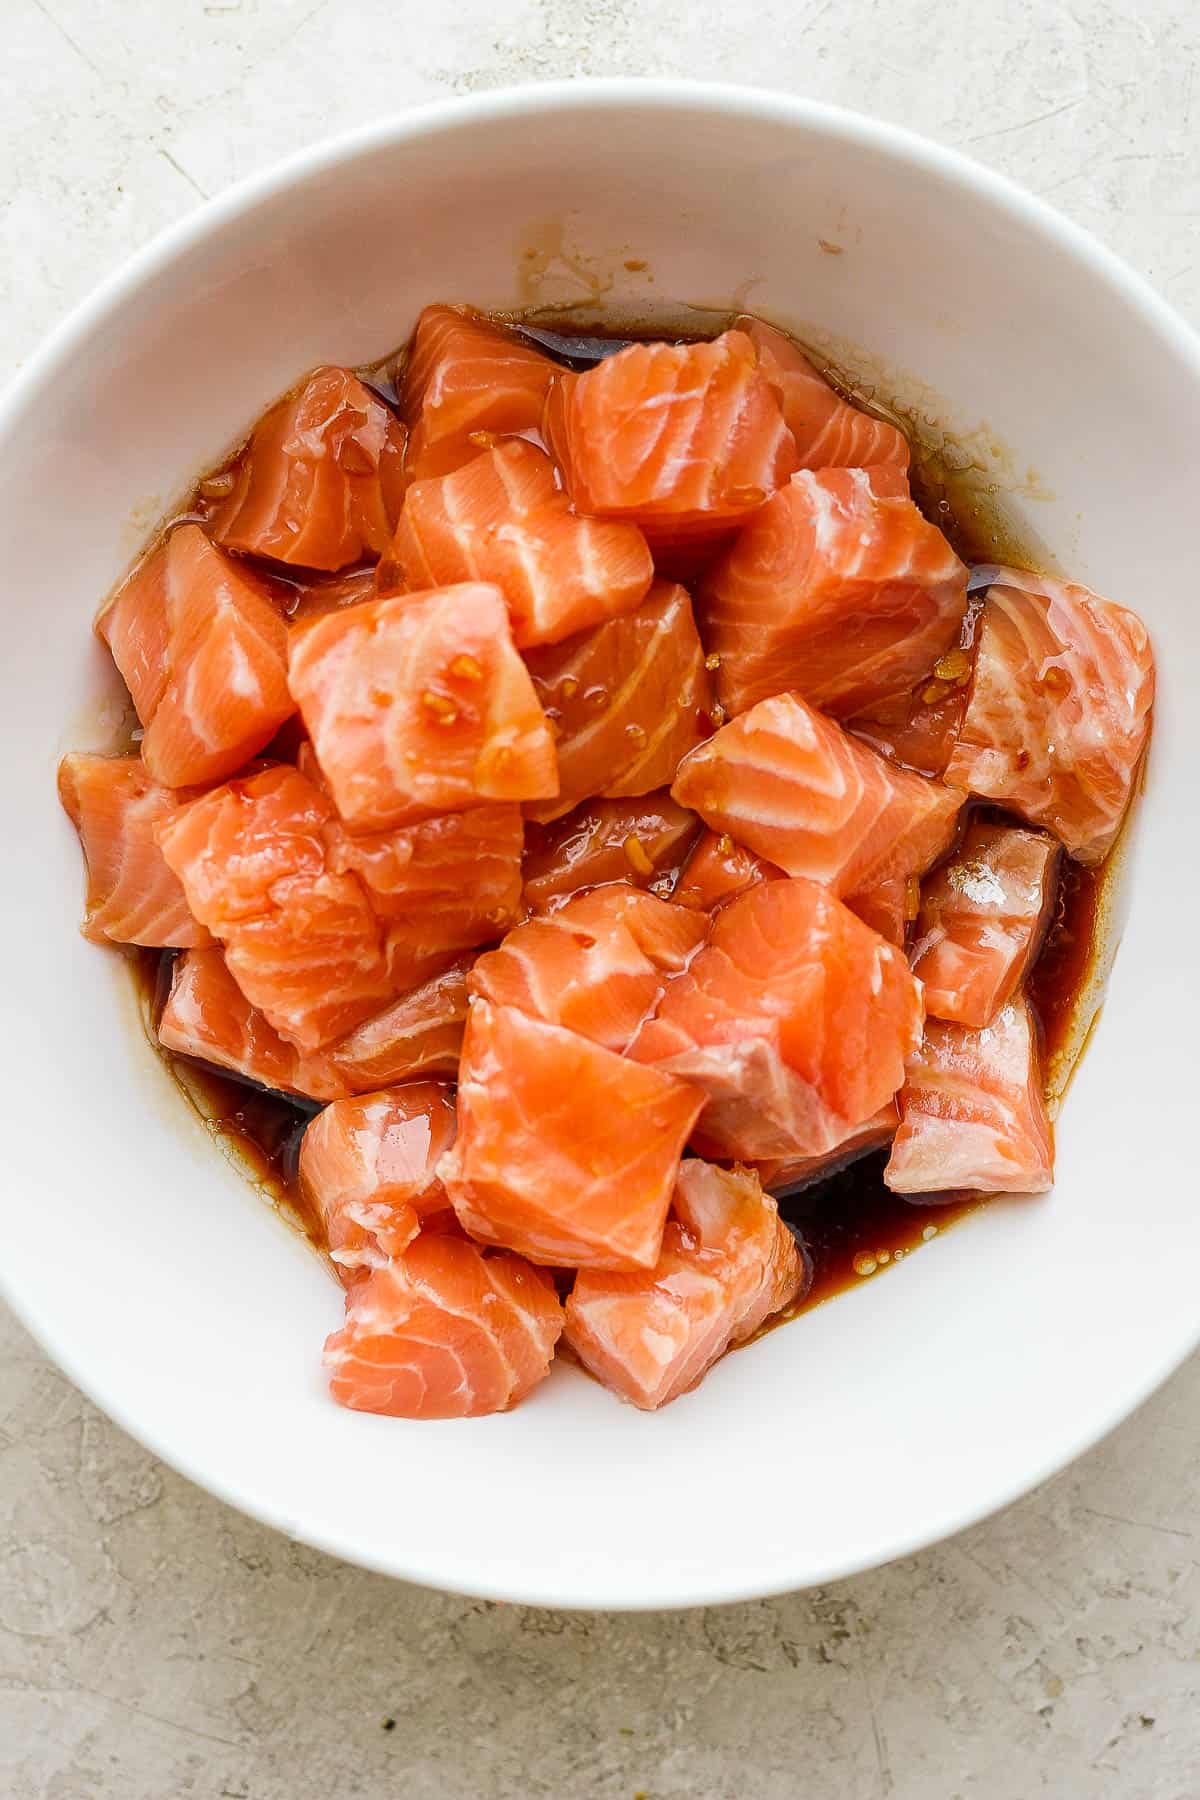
147, 1264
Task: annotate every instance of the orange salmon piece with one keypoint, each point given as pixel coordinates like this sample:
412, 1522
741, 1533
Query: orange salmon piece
829, 432
887, 906
794, 1020
792, 786
1059, 712
207, 1016
566, 1152
972, 1111
421, 705
792, 1174
503, 518
983, 917
628, 700
368, 1168
319, 484
640, 840
685, 440
419, 1034
132, 896
465, 382
204, 655
444, 1331
718, 869
598, 966
727, 1263
301, 940
838, 589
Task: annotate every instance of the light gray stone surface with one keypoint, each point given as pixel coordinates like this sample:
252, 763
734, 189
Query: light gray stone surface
155, 1645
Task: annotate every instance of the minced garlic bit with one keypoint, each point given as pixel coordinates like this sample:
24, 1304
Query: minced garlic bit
745, 496
636, 855
568, 687
954, 666
444, 711
864, 1263
466, 668
929, 1233
933, 693
499, 915
215, 487
712, 660
912, 897
724, 844
484, 439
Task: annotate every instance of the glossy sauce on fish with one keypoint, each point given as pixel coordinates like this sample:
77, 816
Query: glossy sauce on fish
852, 1225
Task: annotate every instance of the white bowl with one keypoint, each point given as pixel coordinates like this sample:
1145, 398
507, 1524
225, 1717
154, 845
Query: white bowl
145, 1263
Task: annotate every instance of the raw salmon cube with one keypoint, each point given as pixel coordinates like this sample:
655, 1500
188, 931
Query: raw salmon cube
983, 917
418, 1034
972, 1111
687, 440
837, 589
368, 1169
204, 654
315, 598
566, 1152
302, 942
790, 1175
830, 433
718, 869
887, 906
465, 382
599, 965
132, 896
640, 840
727, 1263
319, 484
421, 705
795, 1020
626, 701
503, 518
444, 1332
207, 1016
791, 785
1059, 712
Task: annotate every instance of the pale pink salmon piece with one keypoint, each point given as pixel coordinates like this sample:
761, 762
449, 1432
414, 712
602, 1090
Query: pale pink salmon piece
829, 432
626, 701
302, 942
1059, 712
717, 870
444, 1331
791, 1174
465, 383
838, 589
972, 1111
686, 440
503, 518
319, 483
132, 896
795, 1020
368, 1168
566, 1152
204, 654
792, 786
727, 1263
208, 1016
419, 1034
421, 705
598, 965
641, 840
983, 917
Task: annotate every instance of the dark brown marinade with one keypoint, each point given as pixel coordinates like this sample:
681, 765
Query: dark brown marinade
852, 1224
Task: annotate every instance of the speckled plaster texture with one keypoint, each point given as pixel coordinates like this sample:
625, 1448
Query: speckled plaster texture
154, 1644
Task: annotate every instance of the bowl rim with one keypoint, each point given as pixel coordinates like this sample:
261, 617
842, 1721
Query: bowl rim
105, 301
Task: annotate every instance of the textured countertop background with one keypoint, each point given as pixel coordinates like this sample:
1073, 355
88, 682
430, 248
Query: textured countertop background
154, 1644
